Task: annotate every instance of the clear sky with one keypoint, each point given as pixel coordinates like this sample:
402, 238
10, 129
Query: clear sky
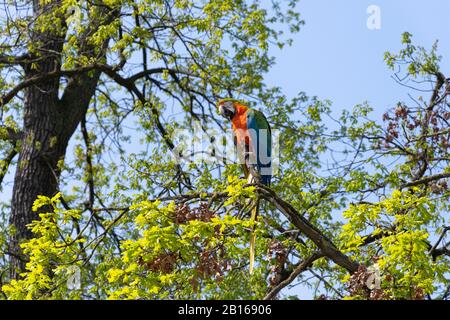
337, 57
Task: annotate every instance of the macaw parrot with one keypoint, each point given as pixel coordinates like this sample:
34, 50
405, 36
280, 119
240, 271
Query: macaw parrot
253, 139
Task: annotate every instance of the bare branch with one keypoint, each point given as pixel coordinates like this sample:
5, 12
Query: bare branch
300, 267
6, 163
320, 240
426, 180
435, 251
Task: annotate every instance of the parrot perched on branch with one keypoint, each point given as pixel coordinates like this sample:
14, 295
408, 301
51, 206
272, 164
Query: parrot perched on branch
253, 139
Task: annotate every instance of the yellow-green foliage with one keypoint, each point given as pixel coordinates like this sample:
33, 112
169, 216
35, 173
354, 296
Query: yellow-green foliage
163, 257
52, 254
401, 252
135, 277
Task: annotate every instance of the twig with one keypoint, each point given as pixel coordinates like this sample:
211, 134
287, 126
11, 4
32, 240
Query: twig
297, 270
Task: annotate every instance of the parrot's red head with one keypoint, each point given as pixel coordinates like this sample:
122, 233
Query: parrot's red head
228, 108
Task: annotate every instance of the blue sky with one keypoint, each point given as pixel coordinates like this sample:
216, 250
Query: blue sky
335, 56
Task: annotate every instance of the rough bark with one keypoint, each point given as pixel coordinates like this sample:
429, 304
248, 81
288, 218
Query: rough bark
36, 172
48, 124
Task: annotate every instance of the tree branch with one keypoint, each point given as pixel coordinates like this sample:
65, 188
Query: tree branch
10, 134
435, 251
320, 240
6, 163
90, 170
426, 180
300, 267
149, 72
6, 98
326, 246
22, 60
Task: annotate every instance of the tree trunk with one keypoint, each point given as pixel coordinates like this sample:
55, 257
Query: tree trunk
36, 172
48, 125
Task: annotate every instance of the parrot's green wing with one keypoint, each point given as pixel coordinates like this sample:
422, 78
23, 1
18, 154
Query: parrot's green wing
260, 143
